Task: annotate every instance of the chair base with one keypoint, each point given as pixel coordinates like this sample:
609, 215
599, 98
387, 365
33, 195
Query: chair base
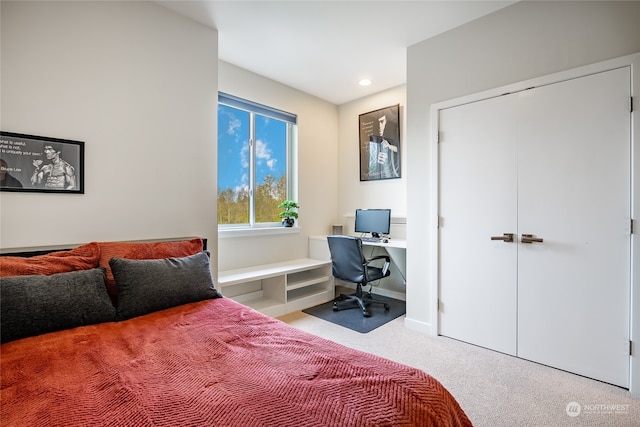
360, 299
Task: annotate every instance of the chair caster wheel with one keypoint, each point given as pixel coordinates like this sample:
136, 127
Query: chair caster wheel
386, 307
335, 307
366, 314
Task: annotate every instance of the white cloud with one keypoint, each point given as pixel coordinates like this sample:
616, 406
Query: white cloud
263, 154
241, 188
244, 156
233, 125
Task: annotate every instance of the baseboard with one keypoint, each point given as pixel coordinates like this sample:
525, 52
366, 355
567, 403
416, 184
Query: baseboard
391, 294
376, 291
416, 325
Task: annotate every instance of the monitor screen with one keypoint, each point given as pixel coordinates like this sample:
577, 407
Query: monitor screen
374, 221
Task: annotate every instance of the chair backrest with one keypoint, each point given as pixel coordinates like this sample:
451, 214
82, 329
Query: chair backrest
347, 259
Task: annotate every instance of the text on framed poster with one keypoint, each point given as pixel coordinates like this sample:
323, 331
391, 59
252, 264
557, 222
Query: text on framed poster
30, 163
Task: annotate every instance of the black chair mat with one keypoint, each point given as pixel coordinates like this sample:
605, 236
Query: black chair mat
353, 319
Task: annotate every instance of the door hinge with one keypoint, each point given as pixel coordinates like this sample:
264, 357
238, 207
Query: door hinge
631, 104
631, 227
630, 348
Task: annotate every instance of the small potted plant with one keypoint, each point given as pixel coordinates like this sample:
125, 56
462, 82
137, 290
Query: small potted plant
288, 215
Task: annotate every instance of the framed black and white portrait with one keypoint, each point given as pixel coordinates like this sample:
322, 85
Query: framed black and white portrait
380, 144
30, 163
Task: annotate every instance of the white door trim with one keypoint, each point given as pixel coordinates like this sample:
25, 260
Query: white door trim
632, 61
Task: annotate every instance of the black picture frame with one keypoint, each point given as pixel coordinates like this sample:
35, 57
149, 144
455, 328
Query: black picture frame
41, 164
380, 144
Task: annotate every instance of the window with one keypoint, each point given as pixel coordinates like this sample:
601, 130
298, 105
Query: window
255, 162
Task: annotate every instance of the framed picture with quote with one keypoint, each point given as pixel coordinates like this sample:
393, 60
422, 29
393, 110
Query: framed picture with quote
380, 144
30, 163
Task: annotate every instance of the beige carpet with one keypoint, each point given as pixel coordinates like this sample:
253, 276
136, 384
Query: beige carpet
493, 389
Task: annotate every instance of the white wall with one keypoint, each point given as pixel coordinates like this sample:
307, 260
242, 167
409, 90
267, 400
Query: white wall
138, 84
388, 193
317, 166
520, 42
354, 193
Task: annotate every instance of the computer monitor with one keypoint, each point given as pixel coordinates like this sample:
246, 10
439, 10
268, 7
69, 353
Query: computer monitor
374, 221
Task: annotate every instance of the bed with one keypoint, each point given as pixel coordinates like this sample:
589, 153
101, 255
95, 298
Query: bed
135, 334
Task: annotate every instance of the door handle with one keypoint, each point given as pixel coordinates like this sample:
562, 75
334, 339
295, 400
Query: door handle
506, 237
528, 238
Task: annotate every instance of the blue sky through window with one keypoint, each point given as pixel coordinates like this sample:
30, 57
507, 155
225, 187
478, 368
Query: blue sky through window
271, 144
233, 148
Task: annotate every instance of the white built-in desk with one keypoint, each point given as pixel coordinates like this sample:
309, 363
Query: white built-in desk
396, 248
392, 243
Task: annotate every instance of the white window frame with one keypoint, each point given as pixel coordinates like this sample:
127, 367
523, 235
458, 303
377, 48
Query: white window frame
253, 108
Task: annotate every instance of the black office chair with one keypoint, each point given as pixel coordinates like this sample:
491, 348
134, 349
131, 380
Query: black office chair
349, 264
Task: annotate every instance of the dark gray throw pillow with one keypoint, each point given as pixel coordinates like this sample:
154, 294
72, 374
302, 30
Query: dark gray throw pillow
149, 285
34, 305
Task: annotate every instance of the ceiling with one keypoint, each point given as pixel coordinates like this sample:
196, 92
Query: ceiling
325, 48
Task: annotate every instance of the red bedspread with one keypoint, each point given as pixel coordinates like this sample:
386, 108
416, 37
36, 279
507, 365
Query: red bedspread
211, 363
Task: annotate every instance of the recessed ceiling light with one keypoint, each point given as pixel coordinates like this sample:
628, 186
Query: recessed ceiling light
364, 82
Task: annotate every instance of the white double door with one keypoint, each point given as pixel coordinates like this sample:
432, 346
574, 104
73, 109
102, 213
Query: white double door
552, 162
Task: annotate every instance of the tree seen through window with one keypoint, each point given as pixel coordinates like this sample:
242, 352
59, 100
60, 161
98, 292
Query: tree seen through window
253, 166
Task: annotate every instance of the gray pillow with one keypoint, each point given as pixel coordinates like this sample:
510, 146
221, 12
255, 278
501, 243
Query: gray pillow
149, 285
34, 305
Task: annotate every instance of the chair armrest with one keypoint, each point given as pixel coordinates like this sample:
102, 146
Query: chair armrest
387, 258
385, 267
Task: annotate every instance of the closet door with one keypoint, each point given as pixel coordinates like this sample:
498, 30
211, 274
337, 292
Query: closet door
553, 162
478, 179
574, 193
